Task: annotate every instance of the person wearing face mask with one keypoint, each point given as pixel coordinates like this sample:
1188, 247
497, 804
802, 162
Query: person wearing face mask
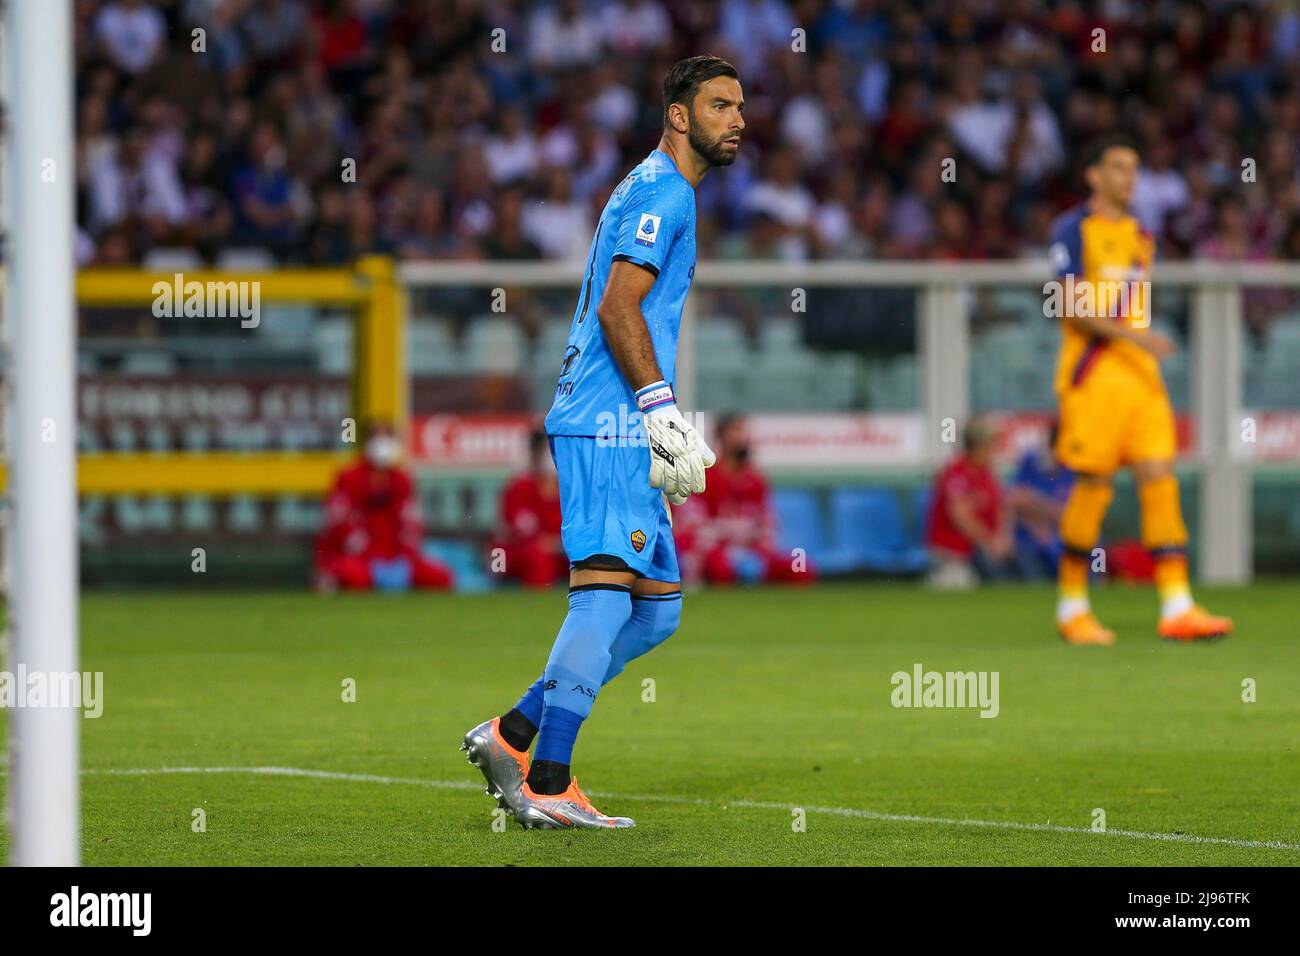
727, 534
372, 532
530, 515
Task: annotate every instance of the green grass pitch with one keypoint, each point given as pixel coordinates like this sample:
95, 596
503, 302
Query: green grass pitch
765, 701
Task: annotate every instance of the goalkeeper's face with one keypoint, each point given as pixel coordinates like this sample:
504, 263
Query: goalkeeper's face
716, 122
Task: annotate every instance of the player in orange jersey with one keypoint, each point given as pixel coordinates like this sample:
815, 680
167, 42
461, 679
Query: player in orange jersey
1114, 409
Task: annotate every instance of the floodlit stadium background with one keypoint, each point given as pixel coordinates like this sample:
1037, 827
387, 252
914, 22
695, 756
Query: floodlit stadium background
313, 135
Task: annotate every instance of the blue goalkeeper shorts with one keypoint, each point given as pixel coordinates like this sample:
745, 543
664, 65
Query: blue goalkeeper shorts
612, 519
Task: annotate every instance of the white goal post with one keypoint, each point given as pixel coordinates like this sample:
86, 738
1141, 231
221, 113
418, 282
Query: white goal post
43, 786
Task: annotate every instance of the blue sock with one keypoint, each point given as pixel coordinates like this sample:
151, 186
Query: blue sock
577, 665
558, 735
530, 705
654, 619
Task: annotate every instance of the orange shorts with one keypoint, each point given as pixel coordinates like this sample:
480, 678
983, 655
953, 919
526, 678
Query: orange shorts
1111, 419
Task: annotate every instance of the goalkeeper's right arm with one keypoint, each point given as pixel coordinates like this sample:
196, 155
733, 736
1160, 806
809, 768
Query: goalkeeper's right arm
678, 454
624, 326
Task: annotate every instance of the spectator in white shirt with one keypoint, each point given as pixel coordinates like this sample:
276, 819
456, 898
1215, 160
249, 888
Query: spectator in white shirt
750, 28
559, 224
632, 26
563, 34
612, 104
134, 183
1160, 189
511, 152
782, 196
1022, 128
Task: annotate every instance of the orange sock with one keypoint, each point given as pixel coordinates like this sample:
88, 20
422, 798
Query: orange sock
1172, 583
1073, 577
1080, 528
1164, 533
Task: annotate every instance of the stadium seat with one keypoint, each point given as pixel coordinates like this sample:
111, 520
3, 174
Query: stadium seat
835, 382
333, 341
431, 347
1285, 332
494, 344
464, 558
870, 535
799, 521
245, 259
1025, 304
290, 325
778, 381
920, 525
171, 258
720, 338
551, 343
779, 335
891, 384
148, 363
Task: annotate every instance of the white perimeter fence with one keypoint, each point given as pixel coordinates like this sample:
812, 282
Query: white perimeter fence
944, 352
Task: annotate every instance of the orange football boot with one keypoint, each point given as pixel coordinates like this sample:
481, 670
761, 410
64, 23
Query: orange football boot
1195, 624
504, 768
1084, 628
564, 811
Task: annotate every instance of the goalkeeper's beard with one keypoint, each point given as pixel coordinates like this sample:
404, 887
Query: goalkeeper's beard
712, 152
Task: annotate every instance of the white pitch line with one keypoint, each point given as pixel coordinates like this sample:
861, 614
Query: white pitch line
701, 802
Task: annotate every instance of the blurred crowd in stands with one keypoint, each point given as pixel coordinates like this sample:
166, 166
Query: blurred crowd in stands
495, 129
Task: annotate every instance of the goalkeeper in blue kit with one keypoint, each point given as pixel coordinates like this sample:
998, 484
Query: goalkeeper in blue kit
620, 447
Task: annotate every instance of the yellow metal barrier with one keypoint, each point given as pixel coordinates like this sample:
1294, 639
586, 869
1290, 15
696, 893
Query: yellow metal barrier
126, 287
208, 473
380, 389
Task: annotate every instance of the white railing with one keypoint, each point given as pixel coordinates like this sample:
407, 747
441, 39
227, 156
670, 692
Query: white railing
943, 351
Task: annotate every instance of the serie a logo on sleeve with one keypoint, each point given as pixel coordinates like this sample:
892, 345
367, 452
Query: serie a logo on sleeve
648, 229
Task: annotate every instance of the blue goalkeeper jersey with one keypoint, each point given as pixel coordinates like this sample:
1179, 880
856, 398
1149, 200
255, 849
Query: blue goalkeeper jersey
650, 221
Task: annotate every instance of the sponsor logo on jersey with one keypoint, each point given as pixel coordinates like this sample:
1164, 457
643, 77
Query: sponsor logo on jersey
647, 230
570, 356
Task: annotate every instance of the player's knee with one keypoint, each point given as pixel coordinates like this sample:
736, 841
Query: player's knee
1084, 479
581, 653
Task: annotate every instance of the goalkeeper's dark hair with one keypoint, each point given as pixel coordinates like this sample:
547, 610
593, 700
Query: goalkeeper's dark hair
685, 78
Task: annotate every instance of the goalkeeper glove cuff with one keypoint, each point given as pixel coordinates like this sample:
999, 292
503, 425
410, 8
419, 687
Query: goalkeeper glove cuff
655, 395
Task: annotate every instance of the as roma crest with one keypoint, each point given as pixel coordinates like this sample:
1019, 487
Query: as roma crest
638, 540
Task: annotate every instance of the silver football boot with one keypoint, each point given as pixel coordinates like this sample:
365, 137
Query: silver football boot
504, 768
570, 810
